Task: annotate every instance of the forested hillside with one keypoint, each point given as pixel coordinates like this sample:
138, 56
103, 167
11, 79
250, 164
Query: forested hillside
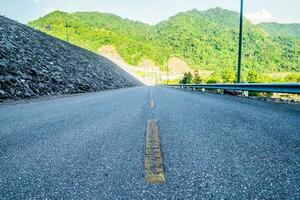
283, 30
204, 39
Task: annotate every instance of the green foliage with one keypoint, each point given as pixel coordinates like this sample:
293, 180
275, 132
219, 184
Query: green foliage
205, 40
284, 30
215, 78
229, 75
253, 76
197, 78
187, 78
293, 78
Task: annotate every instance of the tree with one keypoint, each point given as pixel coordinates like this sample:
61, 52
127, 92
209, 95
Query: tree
229, 75
197, 78
187, 78
215, 78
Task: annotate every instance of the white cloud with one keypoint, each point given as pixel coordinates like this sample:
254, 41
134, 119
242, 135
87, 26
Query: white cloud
260, 16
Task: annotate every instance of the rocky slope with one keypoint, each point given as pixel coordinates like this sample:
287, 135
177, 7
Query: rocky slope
34, 64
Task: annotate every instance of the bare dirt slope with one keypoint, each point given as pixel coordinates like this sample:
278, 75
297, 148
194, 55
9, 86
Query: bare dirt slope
147, 71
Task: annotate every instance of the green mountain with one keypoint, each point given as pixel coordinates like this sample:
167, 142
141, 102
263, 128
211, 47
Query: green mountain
283, 30
204, 39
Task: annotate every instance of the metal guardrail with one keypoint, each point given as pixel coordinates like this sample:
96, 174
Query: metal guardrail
292, 88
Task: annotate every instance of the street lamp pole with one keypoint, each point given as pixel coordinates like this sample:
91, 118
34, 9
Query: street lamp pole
240, 45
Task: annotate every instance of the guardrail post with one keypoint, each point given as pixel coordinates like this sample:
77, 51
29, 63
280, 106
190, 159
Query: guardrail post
203, 89
246, 93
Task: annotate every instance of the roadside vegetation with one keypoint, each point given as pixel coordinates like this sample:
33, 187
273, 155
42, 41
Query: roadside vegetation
229, 76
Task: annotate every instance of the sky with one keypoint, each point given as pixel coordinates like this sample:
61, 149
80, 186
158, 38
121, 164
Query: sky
152, 11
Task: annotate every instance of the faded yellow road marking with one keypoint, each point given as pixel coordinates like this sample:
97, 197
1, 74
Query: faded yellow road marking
151, 103
153, 158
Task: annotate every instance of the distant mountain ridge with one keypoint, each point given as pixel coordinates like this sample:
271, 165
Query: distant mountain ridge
284, 30
204, 39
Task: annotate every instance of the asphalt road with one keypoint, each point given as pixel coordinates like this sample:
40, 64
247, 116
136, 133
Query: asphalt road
92, 146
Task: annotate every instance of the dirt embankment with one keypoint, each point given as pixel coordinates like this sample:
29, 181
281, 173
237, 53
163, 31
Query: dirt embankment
147, 71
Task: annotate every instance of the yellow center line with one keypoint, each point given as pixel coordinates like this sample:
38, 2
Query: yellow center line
154, 172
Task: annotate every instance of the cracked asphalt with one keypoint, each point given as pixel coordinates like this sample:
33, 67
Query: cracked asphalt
92, 146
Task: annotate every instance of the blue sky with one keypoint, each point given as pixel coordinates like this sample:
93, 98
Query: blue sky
152, 11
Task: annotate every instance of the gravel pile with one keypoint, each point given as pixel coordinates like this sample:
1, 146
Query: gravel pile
34, 64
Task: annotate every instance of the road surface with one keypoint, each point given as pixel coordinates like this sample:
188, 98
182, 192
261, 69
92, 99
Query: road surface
92, 146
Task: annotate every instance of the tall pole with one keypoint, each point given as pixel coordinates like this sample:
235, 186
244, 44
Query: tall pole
240, 44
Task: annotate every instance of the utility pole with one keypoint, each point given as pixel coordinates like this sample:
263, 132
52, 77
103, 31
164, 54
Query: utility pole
239, 71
